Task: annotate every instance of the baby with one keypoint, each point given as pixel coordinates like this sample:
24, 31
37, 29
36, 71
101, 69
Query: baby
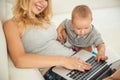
79, 32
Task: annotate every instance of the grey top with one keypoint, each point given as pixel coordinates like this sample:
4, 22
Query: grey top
93, 38
43, 41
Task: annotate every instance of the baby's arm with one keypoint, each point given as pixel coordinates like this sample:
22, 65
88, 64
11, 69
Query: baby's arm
61, 34
101, 52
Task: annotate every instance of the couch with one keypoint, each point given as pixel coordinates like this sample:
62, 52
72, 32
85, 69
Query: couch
9, 72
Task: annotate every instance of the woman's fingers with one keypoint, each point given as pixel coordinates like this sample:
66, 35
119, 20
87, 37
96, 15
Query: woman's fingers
81, 68
82, 65
76, 63
86, 65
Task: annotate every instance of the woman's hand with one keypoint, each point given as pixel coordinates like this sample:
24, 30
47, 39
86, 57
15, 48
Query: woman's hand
76, 63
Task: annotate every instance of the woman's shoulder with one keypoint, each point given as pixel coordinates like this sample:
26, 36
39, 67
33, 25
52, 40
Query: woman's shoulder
13, 26
10, 26
9, 22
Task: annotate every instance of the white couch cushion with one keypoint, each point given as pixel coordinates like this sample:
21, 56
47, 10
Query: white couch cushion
7, 70
3, 56
23, 74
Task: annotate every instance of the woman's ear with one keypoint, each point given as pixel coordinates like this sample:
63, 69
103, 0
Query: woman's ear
91, 18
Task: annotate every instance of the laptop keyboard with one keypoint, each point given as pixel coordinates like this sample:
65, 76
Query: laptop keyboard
97, 70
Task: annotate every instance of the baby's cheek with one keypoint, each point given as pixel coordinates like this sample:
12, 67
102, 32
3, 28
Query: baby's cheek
87, 32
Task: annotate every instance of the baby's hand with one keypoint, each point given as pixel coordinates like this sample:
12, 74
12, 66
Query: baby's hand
62, 36
101, 56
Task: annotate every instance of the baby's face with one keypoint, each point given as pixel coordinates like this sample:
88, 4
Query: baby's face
81, 26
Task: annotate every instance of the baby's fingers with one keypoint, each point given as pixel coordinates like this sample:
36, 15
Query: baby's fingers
59, 37
98, 58
104, 58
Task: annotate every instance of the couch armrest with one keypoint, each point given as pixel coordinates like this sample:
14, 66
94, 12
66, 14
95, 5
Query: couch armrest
23, 74
3, 56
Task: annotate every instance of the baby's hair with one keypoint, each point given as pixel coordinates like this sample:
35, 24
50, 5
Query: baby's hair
82, 11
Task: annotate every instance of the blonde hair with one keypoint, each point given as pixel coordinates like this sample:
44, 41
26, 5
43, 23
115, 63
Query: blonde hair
22, 13
82, 11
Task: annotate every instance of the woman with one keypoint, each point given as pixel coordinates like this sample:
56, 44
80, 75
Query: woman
31, 38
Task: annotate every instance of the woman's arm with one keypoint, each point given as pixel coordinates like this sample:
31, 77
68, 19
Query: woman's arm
17, 53
21, 59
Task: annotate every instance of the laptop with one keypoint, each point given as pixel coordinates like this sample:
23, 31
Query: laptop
98, 72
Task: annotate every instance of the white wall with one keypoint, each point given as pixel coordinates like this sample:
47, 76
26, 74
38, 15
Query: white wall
2, 10
62, 6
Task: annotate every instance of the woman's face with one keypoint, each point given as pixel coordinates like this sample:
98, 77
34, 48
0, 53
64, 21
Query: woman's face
37, 6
